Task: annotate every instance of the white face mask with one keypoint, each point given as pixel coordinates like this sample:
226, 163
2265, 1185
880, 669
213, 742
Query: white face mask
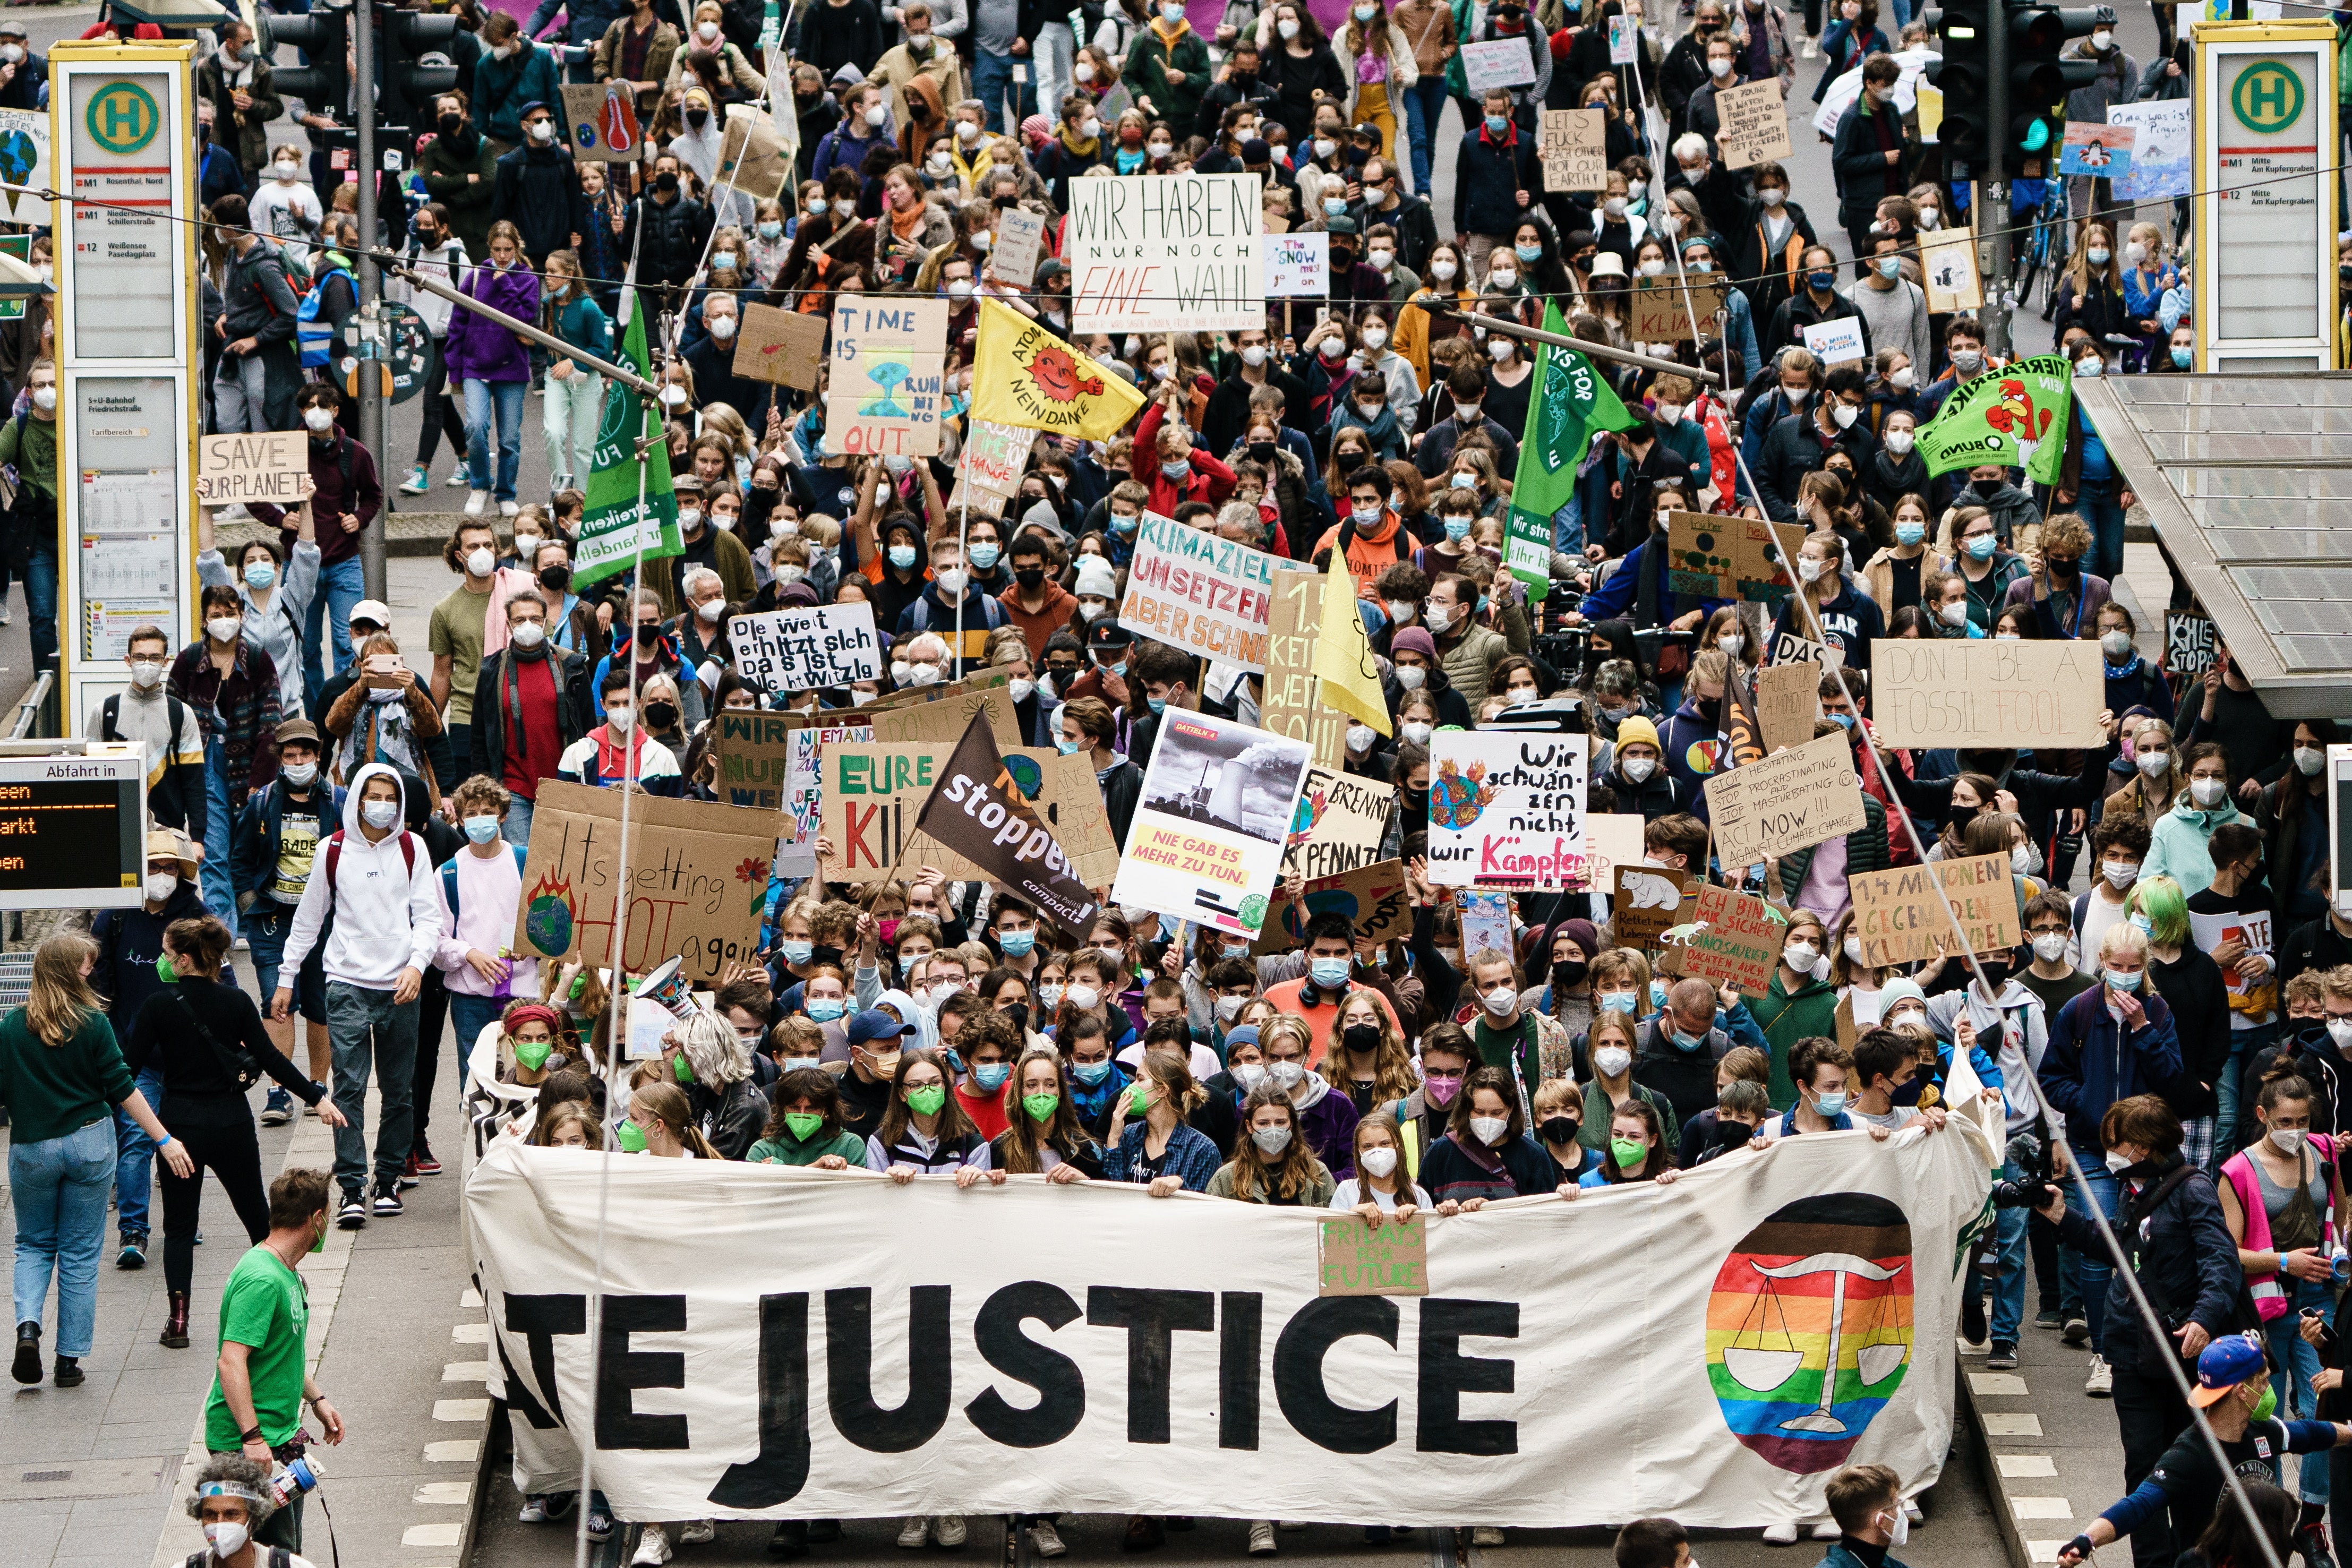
1810, 569
2120, 875
1490, 1130
225, 628
711, 609
2155, 764
380, 814
319, 419
1414, 731
2208, 791
619, 718
1844, 415
1899, 441
1286, 1074
1411, 677
1639, 768
1442, 269
1271, 1140
161, 886
2340, 1031
722, 328
146, 674
2021, 860
286, 173
1501, 1000
1361, 737
1853, 948
528, 634
1081, 996
1611, 1061
1377, 1162
226, 1539
2050, 946
1800, 956
2309, 760
480, 561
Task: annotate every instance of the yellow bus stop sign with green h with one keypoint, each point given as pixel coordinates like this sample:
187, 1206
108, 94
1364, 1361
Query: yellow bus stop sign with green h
122, 117
2268, 98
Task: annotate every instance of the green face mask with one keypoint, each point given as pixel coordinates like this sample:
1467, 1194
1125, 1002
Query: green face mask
1628, 1150
2267, 1405
533, 1054
632, 1138
928, 1100
163, 969
803, 1124
579, 984
1139, 1097
1040, 1106
678, 1068
320, 1243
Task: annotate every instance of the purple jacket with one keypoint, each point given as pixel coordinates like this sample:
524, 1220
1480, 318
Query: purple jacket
478, 349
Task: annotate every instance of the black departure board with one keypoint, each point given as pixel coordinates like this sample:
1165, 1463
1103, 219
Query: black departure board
71, 831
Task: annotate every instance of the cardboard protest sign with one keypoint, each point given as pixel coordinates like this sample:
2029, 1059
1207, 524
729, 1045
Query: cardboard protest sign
1178, 254
1736, 942
1731, 558
1612, 838
1898, 917
1498, 62
992, 456
273, 467
753, 158
1789, 802
981, 804
1013, 258
806, 648
1790, 648
1661, 315
1074, 808
1298, 264
2250, 992
604, 121
2039, 694
1575, 146
753, 751
938, 714
698, 880
1376, 897
1196, 592
1207, 837
1947, 261
1291, 705
1338, 825
1788, 702
1385, 1259
1647, 901
1506, 809
1753, 124
1835, 342
784, 347
886, 397
871, 796
2189, 643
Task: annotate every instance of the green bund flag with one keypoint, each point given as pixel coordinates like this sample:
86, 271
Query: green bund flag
611, 525
2015, 416
1569, 402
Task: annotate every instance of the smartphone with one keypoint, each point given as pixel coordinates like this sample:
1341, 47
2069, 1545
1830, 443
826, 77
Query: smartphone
385, 666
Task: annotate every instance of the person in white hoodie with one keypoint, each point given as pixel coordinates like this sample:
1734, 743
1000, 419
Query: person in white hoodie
372, 900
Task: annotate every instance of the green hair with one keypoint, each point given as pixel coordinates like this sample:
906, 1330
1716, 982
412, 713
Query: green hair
2167, 908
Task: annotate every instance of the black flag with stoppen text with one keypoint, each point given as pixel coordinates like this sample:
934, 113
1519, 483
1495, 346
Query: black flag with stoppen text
982, 805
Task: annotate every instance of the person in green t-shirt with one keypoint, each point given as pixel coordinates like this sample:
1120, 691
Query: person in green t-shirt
261, 1386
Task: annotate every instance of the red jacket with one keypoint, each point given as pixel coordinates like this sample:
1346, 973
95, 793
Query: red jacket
1210, 480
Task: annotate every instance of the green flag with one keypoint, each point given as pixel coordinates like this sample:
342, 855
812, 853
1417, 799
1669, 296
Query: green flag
611, 525
1569, 402
2015, 416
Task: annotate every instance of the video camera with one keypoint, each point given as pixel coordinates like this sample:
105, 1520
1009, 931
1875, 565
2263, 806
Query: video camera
2029, 1154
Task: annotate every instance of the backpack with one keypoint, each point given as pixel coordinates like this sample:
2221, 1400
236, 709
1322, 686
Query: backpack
240, 1064
314, 335
278, 1558
111, 712
449, 881
335, 858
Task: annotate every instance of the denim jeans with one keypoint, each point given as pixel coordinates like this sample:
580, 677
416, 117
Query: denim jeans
468, 1016
2097, 504
134, 1161
58, 1190
1425, 106
220, 892
2009, 1256
568, 419
41, 606
992, 78
342, 584
2227, 1137
367, 1028
2298, 1362
2093, 1268
507, 398
516, 829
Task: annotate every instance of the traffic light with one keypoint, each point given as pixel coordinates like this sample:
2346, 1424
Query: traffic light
1963, 76
323, 35
410, 85
2039, 80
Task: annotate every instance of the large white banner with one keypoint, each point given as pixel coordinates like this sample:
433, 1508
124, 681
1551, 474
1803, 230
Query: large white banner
787, 1343
1176, 254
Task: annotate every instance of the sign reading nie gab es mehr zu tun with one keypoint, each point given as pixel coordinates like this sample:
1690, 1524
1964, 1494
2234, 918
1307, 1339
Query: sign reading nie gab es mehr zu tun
1177, 254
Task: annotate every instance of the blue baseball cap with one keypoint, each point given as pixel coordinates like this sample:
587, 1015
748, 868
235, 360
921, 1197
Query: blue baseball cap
2226, 1363
876, 1024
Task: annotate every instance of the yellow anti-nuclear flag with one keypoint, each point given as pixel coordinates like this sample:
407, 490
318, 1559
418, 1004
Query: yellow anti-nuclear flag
1343, 651
1023, 375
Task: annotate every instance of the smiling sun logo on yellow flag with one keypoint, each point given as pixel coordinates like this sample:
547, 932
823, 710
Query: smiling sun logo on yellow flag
1026, 376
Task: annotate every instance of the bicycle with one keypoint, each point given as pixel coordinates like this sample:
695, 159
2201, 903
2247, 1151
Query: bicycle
2045, 247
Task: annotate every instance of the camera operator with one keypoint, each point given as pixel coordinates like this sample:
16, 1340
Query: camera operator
2169, 1220
232, 1502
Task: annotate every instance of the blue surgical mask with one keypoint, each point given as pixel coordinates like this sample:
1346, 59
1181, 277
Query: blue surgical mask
1844, 720
1688, 1041
1177, 467
1617, 1002
1017, 944
1120, 525
991, 1075
796, 952
1831, 1104
1531, 254
1158, 704
1090, 1072
1457, 529
1335, 206
260, 574
902, 555
1890, 267
1981, 547
1067, 747
2183, 358
1330, 974
822, 1011
1908, 534
2145, 925
2120, 982
984, 556
1657, 993
771, 232
481, 830
1497, 123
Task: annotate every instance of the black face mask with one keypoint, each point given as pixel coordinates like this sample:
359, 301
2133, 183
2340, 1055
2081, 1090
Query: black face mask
1342, 259
698, 118
1961, 815
1733, 1135
1030, 576
648, 634
1017, 1014
1560, 1129
2062, 566
555, 578
451, 124
1244, 79
1262, 451
1360, 1038
1566, 973
661, 716
1062, 674
823, 955
1416, 801
1988, 489
664, 180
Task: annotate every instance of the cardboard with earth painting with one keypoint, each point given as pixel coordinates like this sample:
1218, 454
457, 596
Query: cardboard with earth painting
1376, 897
1731, 558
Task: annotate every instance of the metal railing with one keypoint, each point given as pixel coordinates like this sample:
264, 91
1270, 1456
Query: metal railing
34, 705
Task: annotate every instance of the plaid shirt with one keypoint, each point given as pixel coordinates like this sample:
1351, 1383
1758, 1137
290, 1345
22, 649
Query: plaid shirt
240, 710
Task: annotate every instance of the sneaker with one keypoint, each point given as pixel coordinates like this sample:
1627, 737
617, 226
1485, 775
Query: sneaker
278, 1109
1046, 1539
478, 503
697, 1532
2312, 1541
421, 1158
2003, 1356
457, 481
1808, 52
387, 1203
914, 1532
653, 1547
948, 1530
2101, 1384
508, 508
1260, 1542
1971, 1346
1781, 1534
534, 1507
822, 1531
1827, 1530
419, 480
27, 1366
353, 1214
408, 1172
1486, 1535
134, 1251
2049, 1320
600, 1525
2078, 1330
